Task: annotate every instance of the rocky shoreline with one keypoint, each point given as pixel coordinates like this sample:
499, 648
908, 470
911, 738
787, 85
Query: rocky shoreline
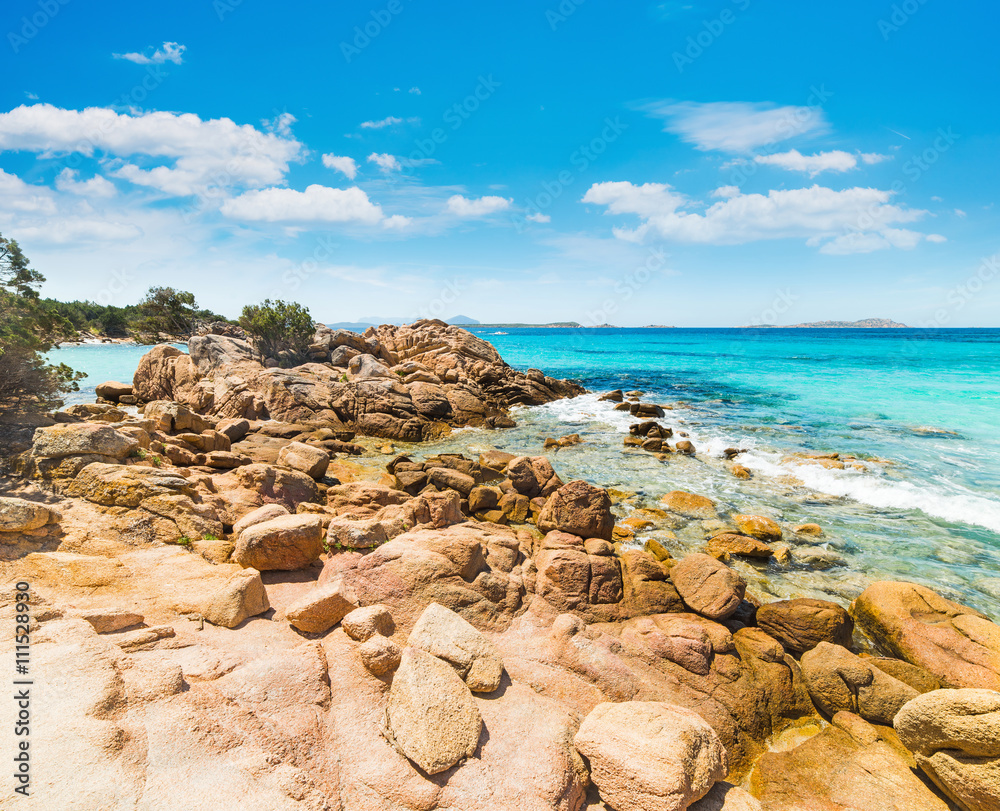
248, 598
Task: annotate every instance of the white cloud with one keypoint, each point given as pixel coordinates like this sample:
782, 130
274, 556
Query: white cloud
344, 165
389, 121
936, 238
415, 91
215, 152
849, 221
170, 52
97, 186
18, 196
874, 157
478, 207
396, 222
539, 217
30, 95
316, 204
737, 126
385, 161
958, 211
795, 161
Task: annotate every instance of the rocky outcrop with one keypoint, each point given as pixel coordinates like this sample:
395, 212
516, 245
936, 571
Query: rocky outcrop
801, 624
286, 543
707, 586
850, 765
838, 680
408, 383
955, 737
957, 644
650, 756
444, 634
579, 509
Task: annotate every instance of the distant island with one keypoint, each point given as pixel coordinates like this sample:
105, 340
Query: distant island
864, 323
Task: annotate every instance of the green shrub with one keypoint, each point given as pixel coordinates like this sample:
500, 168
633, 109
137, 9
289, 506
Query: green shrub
279, 327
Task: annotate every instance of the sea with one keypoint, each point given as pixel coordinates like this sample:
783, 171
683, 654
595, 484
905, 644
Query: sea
918, 410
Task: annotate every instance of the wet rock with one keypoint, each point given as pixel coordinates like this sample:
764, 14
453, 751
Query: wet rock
812, 530
708, 587
650, 756
579, 509
839, 680
686, 447
689, 505
615, 396
742, 545
801, 624
957, 644
758, 526
444, 634
431, 716
286, 543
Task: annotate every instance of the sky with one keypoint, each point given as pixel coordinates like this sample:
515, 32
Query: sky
681, 163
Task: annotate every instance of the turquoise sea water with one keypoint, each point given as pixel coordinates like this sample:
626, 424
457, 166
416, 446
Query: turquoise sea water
921, 407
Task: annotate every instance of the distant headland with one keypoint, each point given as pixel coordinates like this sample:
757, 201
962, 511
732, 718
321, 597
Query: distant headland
864, 323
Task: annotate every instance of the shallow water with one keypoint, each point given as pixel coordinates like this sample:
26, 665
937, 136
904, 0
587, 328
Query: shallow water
923, 406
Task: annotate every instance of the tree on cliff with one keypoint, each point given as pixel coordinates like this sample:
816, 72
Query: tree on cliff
27, 382
166, 310
281, 330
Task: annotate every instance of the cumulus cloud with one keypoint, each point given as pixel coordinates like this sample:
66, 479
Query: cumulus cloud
346, 166
478, 207
170, 52
385, 161
874, 157
389, 121
315, 204
18, 196
197, 152
855, 220
96, 186
539, 217
737, 126
812, 165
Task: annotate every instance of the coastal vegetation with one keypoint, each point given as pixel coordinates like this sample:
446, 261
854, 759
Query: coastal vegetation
28, 330
279, 329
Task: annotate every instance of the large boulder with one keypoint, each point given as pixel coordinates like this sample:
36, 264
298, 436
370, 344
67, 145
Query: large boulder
801, 624
121, 486
839, 680
707, 586
443, 633
650, 756
304, 458
850, 765
533, 476
958, 644
955, 737
431, 716
62, 451
285, 543
579, 509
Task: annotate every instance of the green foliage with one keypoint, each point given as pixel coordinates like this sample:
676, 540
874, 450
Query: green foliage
210, 537
27, 331
166, 310
184, 540
280, 329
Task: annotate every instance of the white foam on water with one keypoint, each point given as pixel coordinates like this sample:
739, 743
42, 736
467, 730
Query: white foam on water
869, 486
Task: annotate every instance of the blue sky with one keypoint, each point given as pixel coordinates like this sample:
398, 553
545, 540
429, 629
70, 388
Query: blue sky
688, 163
